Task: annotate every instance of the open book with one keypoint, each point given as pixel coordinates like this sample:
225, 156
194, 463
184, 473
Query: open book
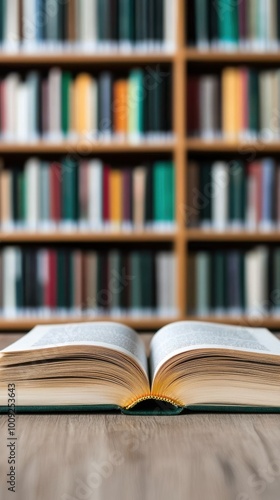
99, 366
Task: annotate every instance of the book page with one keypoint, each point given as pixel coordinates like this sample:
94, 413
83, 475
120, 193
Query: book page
187, 335
105, 334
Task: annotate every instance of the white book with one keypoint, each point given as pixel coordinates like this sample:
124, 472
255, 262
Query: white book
22, 129
87, 23
32, 169
251, 206
32, 83
266, 105
272, 22
54, 118
170, 24
11, 86
29, 20
256, 276
161, 283
208, 97
9, 281
11, 33
220, 200
95, 187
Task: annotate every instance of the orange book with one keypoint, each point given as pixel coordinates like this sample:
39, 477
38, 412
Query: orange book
5, 197
83, 108
115, 197
120, 111
231, 113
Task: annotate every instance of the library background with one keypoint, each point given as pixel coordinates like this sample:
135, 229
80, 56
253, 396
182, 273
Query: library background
140, 162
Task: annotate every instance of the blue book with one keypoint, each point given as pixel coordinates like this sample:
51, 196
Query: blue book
268, 168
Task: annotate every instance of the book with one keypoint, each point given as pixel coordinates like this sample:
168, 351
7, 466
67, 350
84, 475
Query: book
192, 366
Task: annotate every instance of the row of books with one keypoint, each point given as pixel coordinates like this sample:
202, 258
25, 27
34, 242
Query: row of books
252, 25
88, 25
86, 195
62, 105
239, 103
234, 194
235, 282
64, 282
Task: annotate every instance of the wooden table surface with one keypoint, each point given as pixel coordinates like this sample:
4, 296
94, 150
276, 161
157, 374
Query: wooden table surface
88, 457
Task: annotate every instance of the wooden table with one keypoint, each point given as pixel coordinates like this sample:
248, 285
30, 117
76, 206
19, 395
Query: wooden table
115, 457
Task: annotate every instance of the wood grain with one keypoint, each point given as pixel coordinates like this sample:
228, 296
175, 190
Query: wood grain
196, 457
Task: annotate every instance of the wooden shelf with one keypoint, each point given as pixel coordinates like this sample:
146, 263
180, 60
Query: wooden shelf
238, 57
25, 324
48, 59
232, 236
221, 146
80, 237
83, 148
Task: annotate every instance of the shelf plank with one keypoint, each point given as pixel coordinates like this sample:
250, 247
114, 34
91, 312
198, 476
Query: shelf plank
73, 58
25, 324
221, 146
80, 237
83, 148
232, 236
211, 56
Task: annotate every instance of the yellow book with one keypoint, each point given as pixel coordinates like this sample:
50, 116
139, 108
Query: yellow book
83, 100
231, 113
115, 197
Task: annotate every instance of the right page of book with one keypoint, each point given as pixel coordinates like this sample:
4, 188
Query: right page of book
183, 336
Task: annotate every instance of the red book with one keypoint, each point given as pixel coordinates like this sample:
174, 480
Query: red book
193, 125
106, 210
255, 170
56, 192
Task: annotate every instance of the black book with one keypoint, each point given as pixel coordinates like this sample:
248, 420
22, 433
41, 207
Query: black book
67, 277
62, 19
147, 269
159, 18
204, 202
166, 104
151, 21
113, 15
139, 23
213, 23
190, 17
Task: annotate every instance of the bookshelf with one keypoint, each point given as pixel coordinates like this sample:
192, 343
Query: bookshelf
179, 149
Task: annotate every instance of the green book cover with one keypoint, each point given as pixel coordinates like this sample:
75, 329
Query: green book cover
136, 99
159, 191
237, 193
70, 190
126, 21
201, 22
65, 101
203, 283
254, 108
228, 22
2, 20
169, 191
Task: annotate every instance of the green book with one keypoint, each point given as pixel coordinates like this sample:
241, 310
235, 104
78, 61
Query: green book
228, 23
136, 99
237, 194
159, 192
203, 283
109, 361
170, 192
201, 23
70, 190
66, 81
126, 22
254, 106
2, 20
